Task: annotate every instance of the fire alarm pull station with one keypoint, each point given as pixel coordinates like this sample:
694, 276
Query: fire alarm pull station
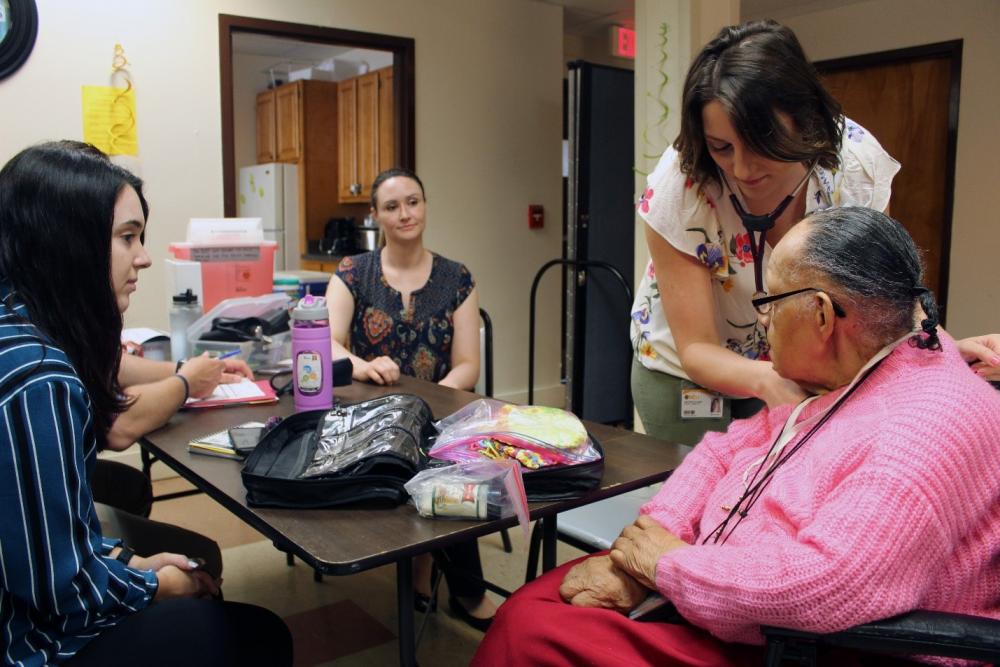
536, 216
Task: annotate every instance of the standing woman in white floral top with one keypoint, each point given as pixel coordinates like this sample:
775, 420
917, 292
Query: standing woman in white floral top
761, 145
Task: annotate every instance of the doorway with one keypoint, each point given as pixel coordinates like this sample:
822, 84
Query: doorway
315, 120
908, 98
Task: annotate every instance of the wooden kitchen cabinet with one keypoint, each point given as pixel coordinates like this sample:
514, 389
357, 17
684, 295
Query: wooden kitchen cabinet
288, 121
325, 267
266, 146
303, 132
280, 115
365, 133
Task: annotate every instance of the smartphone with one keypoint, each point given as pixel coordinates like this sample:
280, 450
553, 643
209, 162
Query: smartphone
245, 438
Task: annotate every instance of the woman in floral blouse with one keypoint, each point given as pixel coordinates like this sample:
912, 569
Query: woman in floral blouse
402, 309
761, 140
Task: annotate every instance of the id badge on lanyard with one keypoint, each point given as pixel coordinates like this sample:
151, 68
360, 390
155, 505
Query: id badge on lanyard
700, 403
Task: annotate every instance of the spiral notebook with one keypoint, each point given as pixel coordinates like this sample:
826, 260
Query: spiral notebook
218, 444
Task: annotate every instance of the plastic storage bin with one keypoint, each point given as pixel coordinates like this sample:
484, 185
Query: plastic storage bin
301, 280
256, 353
230, 270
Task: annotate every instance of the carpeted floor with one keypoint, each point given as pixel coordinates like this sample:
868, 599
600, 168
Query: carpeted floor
342, 621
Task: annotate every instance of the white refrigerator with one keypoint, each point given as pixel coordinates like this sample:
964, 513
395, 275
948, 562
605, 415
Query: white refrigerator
271, 192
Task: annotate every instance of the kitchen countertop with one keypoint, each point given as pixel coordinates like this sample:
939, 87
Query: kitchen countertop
320, 257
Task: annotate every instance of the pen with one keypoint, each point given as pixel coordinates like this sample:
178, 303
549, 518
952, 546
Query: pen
231, 353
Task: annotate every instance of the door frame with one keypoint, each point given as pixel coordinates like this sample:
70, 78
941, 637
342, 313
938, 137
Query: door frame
953, 51
403, 51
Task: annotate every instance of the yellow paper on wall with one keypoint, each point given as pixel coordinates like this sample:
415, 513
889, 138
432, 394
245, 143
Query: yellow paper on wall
109, 119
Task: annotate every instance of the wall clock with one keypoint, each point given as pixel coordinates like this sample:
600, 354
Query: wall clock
18, 28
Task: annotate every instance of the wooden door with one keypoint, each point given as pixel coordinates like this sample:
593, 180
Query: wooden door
386, 121
288, 121
368, 131
908, 100
265, 127
347, 95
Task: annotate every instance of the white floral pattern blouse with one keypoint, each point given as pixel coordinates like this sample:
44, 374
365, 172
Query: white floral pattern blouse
702, 223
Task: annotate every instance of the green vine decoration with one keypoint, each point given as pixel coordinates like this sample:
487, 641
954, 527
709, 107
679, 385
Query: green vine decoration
658, 97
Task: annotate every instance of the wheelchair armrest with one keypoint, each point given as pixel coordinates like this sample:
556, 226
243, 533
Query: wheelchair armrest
914, 633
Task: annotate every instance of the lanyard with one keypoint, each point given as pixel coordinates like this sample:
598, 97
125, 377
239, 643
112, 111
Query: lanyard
760, 224
775, 456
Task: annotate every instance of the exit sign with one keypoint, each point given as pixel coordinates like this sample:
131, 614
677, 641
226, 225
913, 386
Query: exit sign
622, 42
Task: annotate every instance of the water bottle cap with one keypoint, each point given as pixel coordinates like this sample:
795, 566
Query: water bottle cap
311, 308
187, 297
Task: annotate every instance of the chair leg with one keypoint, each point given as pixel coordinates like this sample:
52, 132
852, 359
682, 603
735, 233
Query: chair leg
290, 559
317, 575
505, 537
534, 546
147, 463
775, 653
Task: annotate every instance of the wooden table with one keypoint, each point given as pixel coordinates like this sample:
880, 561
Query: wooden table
345, 541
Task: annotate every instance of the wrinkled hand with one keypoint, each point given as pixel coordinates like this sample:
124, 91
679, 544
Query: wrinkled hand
234, 370
776, 390
177, 583
596, 582
983, 355
380, 370
203, 374
640, 547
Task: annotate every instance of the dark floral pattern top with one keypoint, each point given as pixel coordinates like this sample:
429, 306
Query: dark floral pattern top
701, 222
419, 338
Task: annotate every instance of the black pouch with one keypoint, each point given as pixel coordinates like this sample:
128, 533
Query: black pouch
565, 481
239, 329
352, 454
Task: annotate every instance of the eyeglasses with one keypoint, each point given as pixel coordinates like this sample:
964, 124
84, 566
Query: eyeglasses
763, 303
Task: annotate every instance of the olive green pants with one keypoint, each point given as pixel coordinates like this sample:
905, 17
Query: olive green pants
657, 399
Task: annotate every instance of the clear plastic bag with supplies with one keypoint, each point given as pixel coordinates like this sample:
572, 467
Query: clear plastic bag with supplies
535, 436
473, 490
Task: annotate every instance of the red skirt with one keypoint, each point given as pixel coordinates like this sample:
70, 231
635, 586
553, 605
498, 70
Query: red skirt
535, 627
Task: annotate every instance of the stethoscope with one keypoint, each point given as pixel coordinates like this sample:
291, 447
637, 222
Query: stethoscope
760, 224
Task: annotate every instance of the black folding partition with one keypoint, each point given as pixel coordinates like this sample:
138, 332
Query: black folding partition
600, 228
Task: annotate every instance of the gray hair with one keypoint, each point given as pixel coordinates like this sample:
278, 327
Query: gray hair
871, 261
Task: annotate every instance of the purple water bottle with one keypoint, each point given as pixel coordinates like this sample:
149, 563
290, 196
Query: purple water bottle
312, 362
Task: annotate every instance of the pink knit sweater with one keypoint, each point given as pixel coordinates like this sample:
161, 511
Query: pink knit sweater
893, 505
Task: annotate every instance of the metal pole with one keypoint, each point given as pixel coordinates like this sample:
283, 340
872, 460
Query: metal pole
576, 263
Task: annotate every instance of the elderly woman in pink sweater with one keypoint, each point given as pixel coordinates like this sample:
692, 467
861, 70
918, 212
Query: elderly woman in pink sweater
875, 496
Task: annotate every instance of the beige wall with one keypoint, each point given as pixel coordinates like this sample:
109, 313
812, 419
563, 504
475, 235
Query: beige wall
880, 25
488, 128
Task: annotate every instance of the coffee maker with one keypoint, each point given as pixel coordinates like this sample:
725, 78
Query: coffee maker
339, 238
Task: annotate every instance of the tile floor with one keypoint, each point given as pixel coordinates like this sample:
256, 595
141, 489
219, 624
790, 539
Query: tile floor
343, 621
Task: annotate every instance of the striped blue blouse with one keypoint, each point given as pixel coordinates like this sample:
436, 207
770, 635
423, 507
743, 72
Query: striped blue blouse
58, 586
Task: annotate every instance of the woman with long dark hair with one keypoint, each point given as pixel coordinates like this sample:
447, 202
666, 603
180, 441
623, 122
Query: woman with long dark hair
71, 247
